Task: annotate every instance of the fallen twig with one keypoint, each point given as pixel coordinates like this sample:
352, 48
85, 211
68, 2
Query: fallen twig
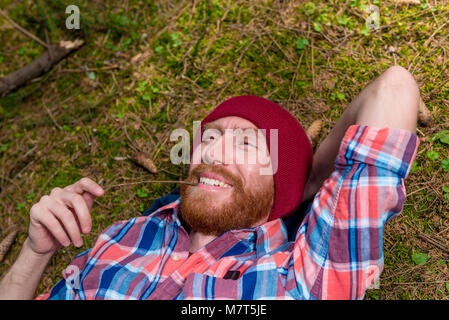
40, 65
25, 32
433, 241
150, 181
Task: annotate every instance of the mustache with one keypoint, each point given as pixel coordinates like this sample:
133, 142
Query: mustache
194, 175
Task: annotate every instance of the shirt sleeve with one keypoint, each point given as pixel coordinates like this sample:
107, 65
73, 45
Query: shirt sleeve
338, 249
70, 287
67, 288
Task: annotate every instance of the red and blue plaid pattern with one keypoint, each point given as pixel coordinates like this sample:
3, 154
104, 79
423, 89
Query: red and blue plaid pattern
337, 249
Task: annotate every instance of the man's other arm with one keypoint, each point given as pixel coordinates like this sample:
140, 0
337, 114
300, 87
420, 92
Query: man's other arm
56, 220
389, 101
339, 245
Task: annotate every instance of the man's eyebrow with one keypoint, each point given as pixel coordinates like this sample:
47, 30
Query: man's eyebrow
211, 126
219, 128
248, 128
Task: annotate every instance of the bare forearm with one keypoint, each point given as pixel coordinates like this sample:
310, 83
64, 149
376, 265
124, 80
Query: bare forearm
23, 278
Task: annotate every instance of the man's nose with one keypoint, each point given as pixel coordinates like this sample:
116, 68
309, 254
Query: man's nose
220, 150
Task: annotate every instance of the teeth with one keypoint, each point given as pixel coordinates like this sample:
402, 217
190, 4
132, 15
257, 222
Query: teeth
213, 182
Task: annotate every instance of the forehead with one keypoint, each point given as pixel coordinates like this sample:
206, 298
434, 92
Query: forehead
231, 122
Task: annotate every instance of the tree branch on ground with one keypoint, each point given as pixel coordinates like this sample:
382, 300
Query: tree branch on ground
40, 65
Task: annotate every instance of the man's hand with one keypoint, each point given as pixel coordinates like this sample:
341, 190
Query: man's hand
60, 218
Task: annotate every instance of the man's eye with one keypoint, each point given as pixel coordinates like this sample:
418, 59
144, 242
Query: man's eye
209, 139
248, 143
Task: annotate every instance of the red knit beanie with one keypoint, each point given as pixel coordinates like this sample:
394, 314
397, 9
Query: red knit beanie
294, 158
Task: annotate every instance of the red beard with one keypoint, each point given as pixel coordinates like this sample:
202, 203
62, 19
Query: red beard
244, 208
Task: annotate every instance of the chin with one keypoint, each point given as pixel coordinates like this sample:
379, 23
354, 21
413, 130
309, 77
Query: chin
211, 198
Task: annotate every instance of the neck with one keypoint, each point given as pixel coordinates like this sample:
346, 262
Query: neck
198, 240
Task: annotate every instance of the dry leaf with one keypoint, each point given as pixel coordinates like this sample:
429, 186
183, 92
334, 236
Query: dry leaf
139, 57
314, 130
6, 244
424, 115
145, 161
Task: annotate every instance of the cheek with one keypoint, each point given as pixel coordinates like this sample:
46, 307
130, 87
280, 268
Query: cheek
253, 177
196, 156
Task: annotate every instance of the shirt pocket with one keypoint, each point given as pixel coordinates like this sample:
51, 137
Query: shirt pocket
202, 286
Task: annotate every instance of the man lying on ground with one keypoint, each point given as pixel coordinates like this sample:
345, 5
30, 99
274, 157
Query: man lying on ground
225, 237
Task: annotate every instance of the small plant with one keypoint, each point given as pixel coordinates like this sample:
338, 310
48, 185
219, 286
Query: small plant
30, 196
337, 95
446, 193
309, 8
142, 193
432, 155
445, 165
176, 39
415, 167
301, 43
22, 51
125, 44
442, 136
419, 258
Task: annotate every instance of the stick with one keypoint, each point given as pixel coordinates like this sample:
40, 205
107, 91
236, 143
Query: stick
15, 25
435, 242
151, 181
40, 65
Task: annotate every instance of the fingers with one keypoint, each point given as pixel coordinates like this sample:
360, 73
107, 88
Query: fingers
49, 221
86, 185
64, 213
77, 202
68, 221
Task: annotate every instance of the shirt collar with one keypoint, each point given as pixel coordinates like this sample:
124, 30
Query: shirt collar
264, 238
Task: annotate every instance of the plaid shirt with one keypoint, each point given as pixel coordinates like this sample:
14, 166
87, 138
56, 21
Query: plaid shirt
336, 254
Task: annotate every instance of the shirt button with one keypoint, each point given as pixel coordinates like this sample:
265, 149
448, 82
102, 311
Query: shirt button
175, 257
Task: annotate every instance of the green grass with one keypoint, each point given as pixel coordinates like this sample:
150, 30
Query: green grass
312, 58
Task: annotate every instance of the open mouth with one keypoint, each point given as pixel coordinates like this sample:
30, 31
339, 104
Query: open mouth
209, 181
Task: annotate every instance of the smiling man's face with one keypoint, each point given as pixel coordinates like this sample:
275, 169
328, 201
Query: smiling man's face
231, 192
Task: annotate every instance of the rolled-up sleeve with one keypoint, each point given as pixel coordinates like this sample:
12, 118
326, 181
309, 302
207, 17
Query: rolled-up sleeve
338, 249
66, 288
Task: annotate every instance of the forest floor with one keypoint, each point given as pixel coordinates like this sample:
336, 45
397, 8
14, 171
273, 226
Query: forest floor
155, 66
